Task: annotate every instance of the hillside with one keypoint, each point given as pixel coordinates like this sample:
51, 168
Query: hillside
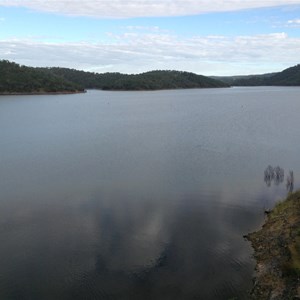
153, 80
233, 80
16, 79
287, 77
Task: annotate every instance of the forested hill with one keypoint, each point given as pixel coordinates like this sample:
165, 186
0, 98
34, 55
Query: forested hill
239, 79
288, 77
154, 80
16, 79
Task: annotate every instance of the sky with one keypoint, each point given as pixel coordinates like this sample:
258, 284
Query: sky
208, 37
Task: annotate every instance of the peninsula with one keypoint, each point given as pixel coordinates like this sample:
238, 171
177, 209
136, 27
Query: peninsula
16, 79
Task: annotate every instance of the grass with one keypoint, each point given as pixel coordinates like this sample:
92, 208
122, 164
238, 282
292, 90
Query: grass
294, 265
277, 251
289, 213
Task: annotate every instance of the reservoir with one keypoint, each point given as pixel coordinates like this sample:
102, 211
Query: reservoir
140, 195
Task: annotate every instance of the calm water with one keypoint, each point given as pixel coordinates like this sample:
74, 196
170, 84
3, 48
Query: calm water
139, 195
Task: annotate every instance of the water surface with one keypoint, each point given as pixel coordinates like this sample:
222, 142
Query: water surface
139, 195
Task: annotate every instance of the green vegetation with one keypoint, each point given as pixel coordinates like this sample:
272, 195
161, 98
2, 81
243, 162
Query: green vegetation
15, 79
235, 80
288, 77
277, 251
154, 80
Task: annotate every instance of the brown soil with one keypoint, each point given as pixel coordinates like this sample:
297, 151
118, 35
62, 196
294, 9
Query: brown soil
277, 252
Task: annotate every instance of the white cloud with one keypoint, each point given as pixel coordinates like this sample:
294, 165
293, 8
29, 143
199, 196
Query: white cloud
293, 23
297, 21
136, 52
141, 8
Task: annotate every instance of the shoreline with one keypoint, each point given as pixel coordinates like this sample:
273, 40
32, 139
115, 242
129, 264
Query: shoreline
43, 93
106, 90
277, 252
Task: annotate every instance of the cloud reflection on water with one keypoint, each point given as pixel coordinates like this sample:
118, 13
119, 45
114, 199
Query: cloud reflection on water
115, 201
114, 243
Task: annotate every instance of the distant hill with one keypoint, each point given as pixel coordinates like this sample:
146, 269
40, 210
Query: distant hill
16, 79
232, 80
288, 77
153, 80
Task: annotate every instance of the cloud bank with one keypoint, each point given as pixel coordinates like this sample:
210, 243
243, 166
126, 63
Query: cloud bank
141, 8
136, 52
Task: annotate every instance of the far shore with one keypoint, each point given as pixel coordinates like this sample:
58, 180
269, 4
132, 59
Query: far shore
43, 93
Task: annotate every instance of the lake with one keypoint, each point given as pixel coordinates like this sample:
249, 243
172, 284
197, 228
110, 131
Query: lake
139, 195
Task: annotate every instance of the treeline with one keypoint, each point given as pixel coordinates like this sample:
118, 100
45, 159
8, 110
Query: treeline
153, 80
288, 77
21, 79
16, 79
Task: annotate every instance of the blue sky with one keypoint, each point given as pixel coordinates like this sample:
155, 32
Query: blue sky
206, 37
